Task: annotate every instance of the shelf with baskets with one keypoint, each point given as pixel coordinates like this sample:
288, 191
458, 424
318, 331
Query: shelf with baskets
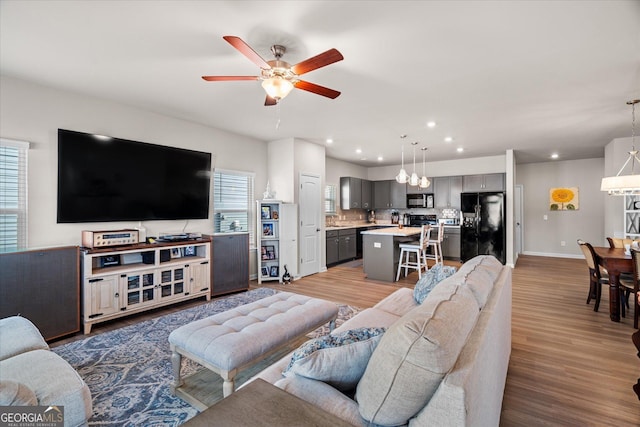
276, 239
632, 217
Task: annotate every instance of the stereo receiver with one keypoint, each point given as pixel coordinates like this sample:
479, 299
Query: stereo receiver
104, 239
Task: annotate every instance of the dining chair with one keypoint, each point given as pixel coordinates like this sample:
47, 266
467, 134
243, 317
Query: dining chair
419, 249
597, 275
630, 287
436, 246
617, 242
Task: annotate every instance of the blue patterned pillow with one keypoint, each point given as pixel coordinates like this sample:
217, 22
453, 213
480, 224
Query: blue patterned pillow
430, 279
338, 360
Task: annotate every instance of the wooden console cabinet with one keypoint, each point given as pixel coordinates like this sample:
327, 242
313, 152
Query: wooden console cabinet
125, 280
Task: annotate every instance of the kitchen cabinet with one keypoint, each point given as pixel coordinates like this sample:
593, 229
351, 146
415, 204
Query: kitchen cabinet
447, 191
451, 243
367, 195
417, 190
389, 194
479, 183
332, 247
355, 193
341, 245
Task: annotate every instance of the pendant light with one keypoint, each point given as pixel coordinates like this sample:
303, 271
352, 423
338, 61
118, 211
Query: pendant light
621, 185
402, 176
414, 180
424, 181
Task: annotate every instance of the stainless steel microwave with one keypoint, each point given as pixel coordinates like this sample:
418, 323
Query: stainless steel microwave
420, 200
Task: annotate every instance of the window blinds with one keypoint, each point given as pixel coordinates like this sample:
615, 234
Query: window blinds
13, 195
232, 202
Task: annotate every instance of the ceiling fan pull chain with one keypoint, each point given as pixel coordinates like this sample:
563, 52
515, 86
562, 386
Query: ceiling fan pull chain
278, 115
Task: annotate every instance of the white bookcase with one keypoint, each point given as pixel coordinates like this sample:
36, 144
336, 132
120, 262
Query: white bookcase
277, 241
129, 279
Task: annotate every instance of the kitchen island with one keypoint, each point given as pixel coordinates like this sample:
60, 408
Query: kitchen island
380, 250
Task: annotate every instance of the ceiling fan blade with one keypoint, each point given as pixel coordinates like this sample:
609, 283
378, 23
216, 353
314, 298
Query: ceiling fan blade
228, 78
318, 61
246, 50
270, 101
317, 89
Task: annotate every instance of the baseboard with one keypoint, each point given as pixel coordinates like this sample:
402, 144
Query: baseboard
553, 255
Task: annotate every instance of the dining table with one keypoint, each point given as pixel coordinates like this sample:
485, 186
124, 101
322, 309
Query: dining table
616, 261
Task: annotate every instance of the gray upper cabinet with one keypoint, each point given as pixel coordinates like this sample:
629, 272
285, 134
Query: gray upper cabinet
447, 191
367, 195
487, 182
389, 195
350, 193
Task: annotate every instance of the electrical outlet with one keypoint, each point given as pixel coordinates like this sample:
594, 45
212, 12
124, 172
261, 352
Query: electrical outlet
545, 217
563, 243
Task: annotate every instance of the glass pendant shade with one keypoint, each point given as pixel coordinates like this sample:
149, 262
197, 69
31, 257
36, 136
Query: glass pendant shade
277, 87
402, 177
414, 180
424, 182
625, 185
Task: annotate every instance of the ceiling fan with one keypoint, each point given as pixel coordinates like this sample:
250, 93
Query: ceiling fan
277, 76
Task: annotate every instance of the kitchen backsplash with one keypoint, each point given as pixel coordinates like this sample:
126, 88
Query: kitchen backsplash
355, 216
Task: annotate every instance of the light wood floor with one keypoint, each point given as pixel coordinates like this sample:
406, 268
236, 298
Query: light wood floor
570, 366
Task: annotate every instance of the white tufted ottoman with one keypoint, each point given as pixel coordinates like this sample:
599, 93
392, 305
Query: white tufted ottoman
231, 341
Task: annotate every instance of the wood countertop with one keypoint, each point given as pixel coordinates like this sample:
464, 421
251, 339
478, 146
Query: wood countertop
395, 231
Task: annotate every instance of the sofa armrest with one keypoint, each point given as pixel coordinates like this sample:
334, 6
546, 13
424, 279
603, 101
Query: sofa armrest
18, 335
324, 397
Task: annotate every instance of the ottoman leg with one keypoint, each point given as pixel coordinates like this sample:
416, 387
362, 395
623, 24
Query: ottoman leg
228, 386
176, 362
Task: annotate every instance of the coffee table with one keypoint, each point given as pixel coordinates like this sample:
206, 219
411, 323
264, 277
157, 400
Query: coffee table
261, 403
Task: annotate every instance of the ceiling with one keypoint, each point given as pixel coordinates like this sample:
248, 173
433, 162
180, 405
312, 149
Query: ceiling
534, 76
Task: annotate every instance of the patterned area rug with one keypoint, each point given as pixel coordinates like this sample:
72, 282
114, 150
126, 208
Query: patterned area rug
129, 370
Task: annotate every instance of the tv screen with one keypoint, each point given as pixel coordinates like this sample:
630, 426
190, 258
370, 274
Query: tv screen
109, 179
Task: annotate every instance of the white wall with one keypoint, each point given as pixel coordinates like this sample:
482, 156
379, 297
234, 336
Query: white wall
544, 237
281, 170
34, 113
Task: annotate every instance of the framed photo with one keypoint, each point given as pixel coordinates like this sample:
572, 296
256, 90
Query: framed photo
270, 252
190, 251
273, 272
176, 252
265, 271
266, 212
267, 230
274, 215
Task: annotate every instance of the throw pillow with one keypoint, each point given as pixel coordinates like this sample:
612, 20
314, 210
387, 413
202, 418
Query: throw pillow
430, 279
338, 360
13, 393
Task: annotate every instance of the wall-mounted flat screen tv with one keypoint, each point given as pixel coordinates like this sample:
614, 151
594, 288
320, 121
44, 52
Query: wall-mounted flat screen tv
109, 179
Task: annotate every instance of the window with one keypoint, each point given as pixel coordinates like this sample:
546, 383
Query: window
233, 202
13, 195
330, 199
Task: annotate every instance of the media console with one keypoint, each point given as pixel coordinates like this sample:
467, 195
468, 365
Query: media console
120, 281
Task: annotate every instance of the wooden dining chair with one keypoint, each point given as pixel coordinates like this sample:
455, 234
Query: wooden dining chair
617, 242
630, 287
418, 249
597, 275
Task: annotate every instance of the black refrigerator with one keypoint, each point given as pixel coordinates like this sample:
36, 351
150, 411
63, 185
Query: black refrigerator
482, 231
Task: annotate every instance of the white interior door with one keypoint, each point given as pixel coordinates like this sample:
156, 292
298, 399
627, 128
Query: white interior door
310, 214
517, 219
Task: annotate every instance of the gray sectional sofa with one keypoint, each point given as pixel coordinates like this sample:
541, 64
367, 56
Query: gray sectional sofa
439, 363
31, 374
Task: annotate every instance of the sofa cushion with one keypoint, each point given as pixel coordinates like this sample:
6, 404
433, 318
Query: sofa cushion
338, 360
415, 354
13, 393
479, 274
430, 279
324, 397
53, 381
19, 335
398, 303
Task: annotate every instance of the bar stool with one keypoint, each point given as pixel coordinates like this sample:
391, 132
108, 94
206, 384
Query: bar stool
419, 249
436, 246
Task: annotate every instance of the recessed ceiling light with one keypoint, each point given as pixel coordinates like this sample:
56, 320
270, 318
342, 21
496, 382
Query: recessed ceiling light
358, 151
459, 149
329, 141
448, 139
431, 124
554, 156
380, 158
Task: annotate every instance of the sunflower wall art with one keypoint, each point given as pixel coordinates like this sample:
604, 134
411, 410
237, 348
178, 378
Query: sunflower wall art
564, 199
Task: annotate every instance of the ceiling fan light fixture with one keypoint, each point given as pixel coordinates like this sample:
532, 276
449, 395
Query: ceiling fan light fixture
277, 87
622, 185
